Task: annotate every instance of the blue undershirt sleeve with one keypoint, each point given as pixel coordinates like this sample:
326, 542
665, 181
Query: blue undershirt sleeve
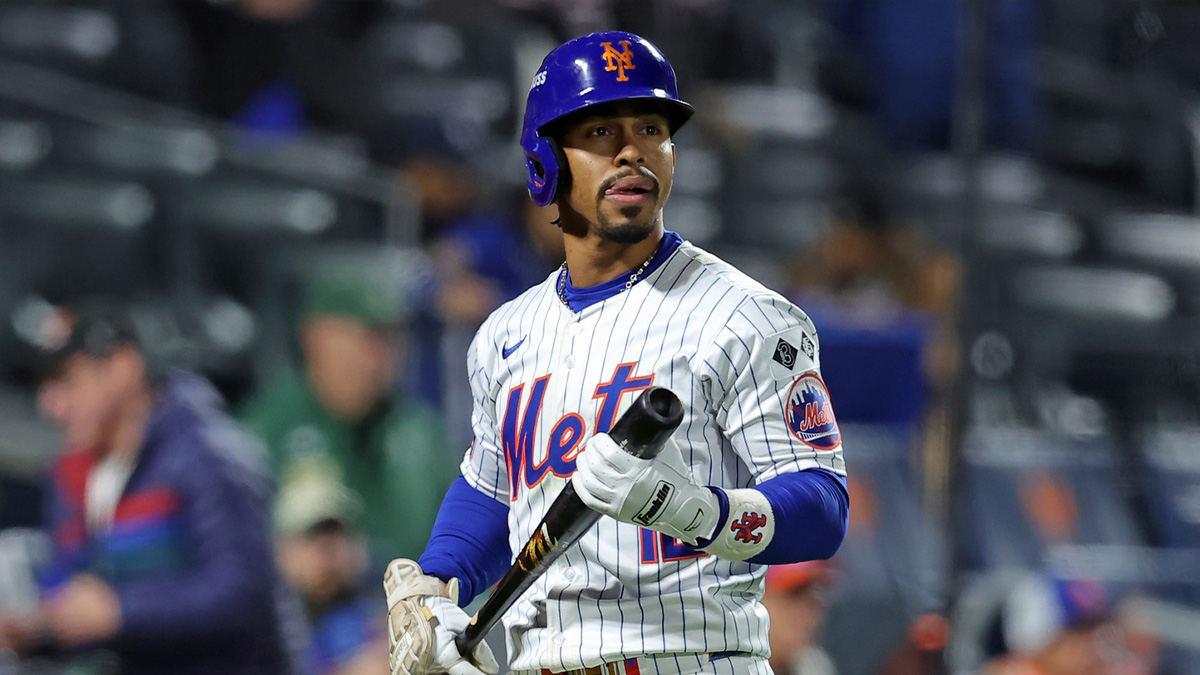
469, 541
811, 510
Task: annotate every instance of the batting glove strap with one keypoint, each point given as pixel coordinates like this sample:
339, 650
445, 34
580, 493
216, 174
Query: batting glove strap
746, 528
423, 620
405, 579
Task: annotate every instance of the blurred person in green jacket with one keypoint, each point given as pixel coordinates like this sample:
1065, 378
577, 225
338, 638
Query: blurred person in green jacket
340, 416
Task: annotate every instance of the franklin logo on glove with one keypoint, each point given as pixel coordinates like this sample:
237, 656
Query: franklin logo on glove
662, 497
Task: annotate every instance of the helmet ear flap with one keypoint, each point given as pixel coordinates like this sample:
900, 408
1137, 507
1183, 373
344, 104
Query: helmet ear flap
547, 170
563, 184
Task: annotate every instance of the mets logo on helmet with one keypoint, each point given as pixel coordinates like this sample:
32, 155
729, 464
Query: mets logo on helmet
810, 414
619, 61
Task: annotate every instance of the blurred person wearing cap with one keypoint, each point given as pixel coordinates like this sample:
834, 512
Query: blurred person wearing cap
158, 514
1068, 626
340, 415
794, 597
323, 556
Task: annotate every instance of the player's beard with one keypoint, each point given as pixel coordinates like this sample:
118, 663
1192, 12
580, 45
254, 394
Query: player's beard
628, 232
632, 229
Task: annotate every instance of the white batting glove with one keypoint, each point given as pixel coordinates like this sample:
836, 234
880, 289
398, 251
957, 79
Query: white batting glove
658, 493
423, 620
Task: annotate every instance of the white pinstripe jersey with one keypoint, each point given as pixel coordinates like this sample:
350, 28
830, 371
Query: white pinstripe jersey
743, 361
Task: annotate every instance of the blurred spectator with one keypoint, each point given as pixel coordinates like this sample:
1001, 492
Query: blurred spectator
323, 556
472, 278
469, 280
892, 575
923, 653
1050, 506
339, 415
1056, 626
883, 297
158, 514
794, 597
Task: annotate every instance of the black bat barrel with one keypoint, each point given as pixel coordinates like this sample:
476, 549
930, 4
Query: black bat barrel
642, 431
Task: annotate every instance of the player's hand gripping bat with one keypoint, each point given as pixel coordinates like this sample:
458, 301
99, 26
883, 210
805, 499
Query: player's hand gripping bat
641, 431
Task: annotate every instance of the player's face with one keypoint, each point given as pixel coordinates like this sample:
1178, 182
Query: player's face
621, 161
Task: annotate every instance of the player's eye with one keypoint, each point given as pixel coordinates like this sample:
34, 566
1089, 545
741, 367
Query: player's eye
600, 131
652, 130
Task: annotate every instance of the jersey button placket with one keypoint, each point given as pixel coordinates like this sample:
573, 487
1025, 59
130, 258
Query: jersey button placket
565, 361
568, 344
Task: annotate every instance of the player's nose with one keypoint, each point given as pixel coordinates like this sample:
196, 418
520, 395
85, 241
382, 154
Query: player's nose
630, 154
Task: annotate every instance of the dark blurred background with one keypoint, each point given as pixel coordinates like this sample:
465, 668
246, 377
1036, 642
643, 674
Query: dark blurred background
988, 207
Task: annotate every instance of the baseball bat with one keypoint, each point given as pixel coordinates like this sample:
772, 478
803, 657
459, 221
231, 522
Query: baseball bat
641, 431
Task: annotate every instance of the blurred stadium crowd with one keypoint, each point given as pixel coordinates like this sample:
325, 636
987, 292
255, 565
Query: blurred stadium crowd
988, 207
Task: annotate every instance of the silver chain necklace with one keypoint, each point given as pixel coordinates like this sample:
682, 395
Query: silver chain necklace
633, 277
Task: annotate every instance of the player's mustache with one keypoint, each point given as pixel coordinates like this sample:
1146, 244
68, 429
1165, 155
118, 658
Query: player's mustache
642, 171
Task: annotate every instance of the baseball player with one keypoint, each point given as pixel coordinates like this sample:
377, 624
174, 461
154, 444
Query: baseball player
671, 581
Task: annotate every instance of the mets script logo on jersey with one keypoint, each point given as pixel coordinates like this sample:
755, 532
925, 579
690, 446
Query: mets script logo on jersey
809, 414
522, 416
619, 61
744, 528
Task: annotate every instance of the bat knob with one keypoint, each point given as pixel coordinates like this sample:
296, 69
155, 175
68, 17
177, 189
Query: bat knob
648, 423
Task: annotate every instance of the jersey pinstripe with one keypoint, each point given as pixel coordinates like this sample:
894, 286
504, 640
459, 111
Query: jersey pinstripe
545, 379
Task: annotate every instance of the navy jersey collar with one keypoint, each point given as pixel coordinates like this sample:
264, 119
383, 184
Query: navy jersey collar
579, 299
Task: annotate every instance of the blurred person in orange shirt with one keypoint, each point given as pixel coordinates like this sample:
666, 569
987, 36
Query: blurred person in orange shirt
794, 597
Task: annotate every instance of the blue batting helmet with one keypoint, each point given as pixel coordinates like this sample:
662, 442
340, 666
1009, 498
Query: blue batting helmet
589, 70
